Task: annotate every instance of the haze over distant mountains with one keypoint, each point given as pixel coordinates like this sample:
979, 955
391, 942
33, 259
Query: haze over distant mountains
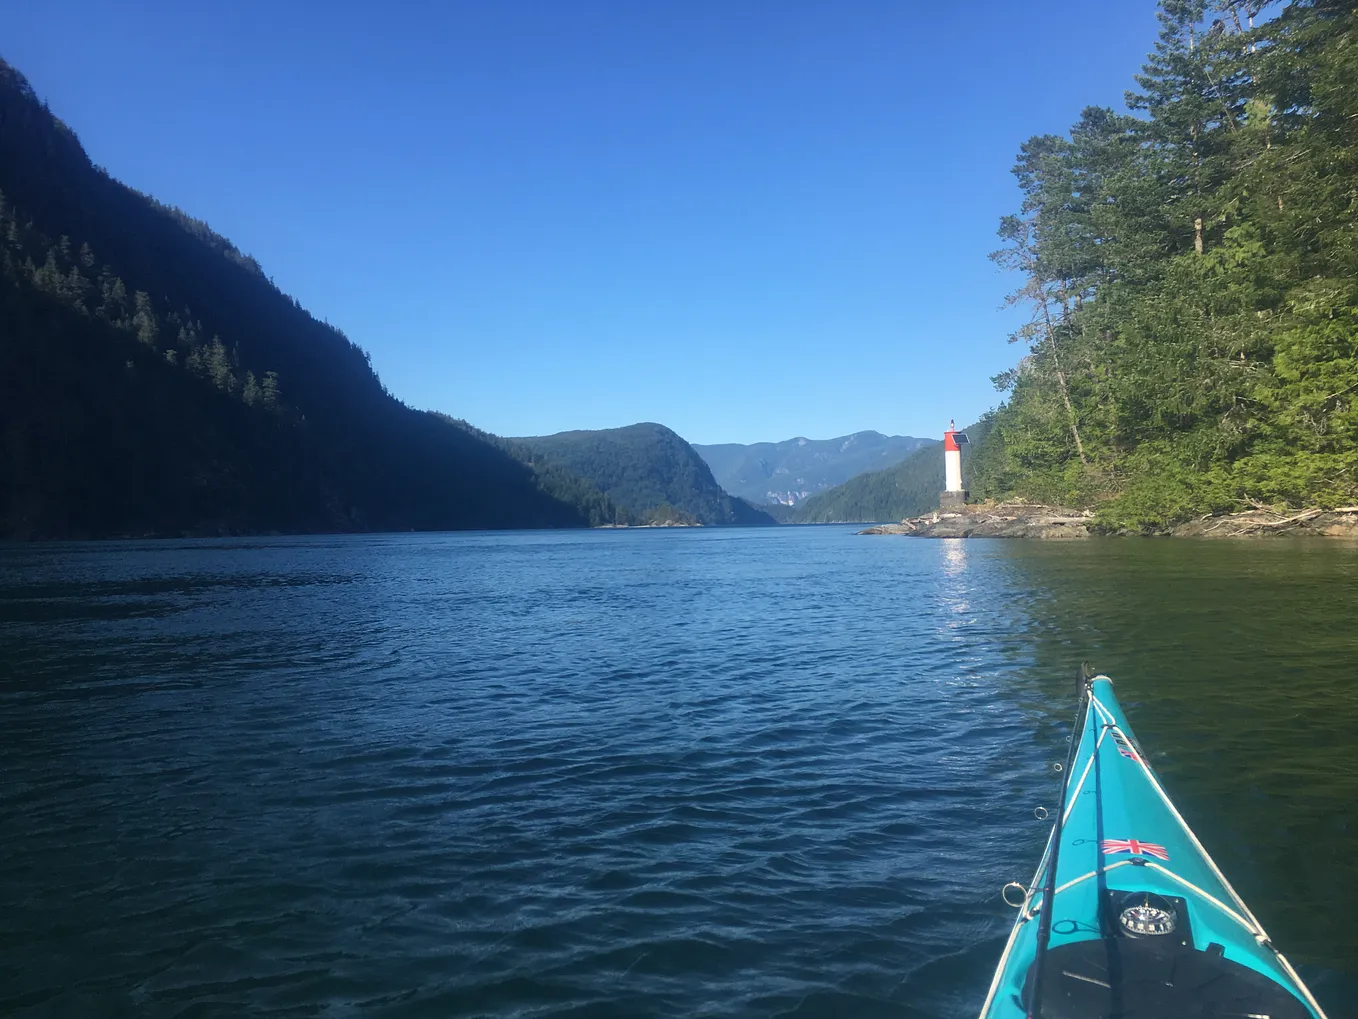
790, 471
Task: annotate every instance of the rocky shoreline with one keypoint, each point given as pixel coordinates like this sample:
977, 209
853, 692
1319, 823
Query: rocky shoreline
1026, 520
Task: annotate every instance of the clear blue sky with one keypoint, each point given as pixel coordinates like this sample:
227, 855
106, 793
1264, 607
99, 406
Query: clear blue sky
746, 220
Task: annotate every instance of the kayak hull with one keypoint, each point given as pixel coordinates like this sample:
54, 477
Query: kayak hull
1141, 922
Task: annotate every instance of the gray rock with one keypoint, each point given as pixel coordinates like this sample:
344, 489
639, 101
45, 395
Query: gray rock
1018, 520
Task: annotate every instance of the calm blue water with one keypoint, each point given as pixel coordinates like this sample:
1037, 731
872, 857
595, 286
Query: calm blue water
628, 773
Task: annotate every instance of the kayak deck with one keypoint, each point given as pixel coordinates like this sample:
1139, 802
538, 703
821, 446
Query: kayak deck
1141, 922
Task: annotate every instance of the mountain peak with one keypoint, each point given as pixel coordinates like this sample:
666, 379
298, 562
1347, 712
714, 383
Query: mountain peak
789, 471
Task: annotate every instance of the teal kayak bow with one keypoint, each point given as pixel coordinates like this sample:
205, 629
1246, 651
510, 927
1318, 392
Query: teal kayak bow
1127, 916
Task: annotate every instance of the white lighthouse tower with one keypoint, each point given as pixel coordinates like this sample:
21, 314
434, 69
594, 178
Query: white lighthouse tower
953, 493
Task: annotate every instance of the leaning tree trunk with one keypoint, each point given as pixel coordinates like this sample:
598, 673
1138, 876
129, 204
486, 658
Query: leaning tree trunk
1061, 379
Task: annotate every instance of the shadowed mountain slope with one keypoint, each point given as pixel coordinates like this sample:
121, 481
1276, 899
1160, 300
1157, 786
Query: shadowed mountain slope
647, 470
153, 380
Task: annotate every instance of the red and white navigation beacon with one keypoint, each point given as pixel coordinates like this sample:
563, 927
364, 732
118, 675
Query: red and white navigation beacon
954, 494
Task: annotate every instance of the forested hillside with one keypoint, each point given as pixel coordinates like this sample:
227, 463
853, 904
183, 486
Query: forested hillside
650, 473
788, 472
154, 381
903, 490
906, 489
1192, 275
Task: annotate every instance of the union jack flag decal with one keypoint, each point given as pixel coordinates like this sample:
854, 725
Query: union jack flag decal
1125, 747
1136, 847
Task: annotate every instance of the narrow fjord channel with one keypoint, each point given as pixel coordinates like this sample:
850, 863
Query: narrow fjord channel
719, 772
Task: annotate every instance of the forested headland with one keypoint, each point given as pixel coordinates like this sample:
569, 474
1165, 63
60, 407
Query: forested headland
649, 473
902, 490
1191, 270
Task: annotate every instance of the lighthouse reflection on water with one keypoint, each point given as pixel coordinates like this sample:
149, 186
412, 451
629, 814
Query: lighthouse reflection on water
954, 497
954, 556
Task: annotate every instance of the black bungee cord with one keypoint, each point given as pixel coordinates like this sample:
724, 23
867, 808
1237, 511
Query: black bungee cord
1044, 922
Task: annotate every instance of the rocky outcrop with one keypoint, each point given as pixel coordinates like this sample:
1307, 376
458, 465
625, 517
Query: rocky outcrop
1016, 520
1024, 520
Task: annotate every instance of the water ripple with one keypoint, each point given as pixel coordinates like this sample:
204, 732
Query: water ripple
734, 773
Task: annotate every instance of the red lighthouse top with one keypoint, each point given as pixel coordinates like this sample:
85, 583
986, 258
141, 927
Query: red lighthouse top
953, 440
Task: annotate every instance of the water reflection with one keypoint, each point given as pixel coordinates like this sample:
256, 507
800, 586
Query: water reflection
629, 773
954, 555
1236, 663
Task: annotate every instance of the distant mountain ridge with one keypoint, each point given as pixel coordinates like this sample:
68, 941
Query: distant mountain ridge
906, 489
791, 471
648, 472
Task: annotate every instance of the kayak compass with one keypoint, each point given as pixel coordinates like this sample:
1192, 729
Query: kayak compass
1114, 924
1152, 916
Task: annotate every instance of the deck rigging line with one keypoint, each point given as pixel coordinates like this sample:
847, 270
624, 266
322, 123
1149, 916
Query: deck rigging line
1044, 923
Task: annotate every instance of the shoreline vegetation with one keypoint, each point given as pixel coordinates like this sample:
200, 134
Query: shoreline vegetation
1029, 520
1191, 351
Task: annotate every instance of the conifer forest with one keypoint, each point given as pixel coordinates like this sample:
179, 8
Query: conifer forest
1190, 273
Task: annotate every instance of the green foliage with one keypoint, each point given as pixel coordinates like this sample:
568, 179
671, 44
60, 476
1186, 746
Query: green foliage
1193, 345
153, 381
648, 471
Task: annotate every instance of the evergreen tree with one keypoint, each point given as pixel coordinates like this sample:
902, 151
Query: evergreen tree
1191, 274
113, 307
268, 390
144, 319
48, 275
218, 365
